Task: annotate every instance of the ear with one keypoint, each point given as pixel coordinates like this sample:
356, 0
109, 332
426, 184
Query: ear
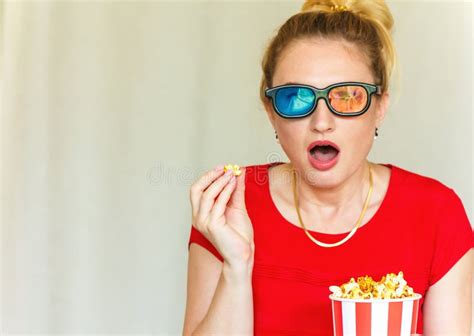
382, 108
270, 113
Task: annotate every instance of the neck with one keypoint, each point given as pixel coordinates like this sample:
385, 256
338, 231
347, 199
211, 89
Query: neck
328, 202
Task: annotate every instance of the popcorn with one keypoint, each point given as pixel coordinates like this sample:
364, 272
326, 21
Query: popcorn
391, 286
363, 306
235, 168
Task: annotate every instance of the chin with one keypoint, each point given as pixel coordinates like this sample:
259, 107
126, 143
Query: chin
323, 179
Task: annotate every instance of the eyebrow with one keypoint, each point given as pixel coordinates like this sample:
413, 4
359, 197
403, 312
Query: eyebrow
297, 83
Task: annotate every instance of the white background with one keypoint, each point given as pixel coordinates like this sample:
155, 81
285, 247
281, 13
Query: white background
111, 109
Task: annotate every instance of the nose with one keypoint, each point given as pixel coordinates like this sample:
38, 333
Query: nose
322, 119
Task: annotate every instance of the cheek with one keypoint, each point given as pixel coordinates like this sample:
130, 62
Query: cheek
293, 137
350, 130
357, 137
292, 132
359, 128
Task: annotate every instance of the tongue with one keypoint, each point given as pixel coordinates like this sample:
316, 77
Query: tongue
324, 153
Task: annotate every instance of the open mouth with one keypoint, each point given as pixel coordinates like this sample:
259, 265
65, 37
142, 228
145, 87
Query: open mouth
324, 153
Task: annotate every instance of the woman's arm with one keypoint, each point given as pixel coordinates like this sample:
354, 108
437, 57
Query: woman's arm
448, 303
231, 310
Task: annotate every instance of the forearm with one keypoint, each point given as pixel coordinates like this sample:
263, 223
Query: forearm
231, 309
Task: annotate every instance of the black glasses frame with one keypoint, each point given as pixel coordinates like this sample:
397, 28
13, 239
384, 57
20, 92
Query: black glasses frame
323, 93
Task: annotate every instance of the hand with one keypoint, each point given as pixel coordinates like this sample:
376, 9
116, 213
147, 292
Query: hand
223, 221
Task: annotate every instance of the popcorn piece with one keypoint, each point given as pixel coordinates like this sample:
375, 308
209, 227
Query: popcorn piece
391, 286
336, 290
235, 168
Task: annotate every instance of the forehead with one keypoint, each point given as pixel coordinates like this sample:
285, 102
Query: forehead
321, 62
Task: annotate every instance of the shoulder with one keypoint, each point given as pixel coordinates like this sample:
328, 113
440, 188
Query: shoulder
251, 169
434, 213
256, 175
418, 185
257, 186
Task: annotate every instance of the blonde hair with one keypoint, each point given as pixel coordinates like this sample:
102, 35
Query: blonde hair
365, 23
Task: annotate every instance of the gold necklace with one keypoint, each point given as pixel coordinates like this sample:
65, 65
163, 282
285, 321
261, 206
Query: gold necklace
295, 196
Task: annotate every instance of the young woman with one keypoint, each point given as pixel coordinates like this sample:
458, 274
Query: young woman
270, 242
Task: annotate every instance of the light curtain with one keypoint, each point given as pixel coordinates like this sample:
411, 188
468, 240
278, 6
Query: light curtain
111, 109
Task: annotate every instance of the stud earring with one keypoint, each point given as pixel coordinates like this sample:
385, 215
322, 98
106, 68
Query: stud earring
376, 133
276, 137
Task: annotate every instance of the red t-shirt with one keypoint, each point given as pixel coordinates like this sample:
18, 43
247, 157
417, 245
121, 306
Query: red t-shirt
421, 228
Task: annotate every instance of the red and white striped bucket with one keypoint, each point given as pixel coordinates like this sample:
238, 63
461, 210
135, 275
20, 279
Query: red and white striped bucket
372, 317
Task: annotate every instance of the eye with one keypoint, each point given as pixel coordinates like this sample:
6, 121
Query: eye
348, 98
305, 95
294, 100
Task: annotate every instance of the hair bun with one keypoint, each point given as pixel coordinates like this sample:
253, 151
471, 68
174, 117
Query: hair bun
325, 6
373, 10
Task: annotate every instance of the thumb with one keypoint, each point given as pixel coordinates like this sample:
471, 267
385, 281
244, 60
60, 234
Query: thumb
237, 199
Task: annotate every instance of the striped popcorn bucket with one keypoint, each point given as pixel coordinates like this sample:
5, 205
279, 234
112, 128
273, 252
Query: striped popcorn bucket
375, 317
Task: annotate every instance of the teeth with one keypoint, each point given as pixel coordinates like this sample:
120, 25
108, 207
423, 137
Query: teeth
323, 147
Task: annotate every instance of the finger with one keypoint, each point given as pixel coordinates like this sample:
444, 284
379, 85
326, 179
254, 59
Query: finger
209, 196
238, 197
222, 200
201, 185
